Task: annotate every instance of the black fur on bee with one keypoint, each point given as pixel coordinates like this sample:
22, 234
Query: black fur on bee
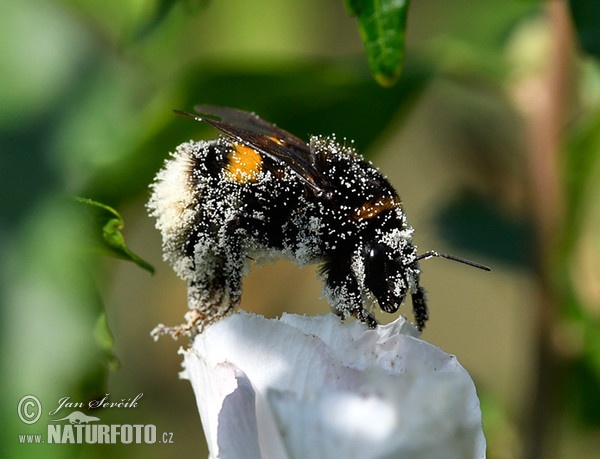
259, 192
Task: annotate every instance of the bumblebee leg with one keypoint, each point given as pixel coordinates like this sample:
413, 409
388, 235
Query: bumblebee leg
215, 275
365, 317
206, 289
233, 266
215, 286
420, 309
345, 297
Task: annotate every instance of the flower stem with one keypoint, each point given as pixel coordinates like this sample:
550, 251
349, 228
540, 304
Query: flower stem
545, 117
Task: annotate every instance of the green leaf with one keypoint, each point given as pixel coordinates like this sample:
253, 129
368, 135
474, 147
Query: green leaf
382, 25
586, 17
113, 240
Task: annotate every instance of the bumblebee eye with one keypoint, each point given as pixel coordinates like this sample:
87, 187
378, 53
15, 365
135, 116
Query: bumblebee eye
380, 272
375, 265
377, 253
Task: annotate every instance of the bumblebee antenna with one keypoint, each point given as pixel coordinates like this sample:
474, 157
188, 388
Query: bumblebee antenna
434, 254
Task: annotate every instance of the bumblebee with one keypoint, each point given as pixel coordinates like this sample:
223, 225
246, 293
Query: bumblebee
259, 192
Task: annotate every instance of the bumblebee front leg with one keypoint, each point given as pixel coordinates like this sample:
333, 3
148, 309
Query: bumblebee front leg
420, 309
344, 295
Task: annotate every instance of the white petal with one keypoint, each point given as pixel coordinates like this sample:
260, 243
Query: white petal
317, 387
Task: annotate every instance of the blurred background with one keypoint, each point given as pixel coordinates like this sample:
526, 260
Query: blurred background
491, 136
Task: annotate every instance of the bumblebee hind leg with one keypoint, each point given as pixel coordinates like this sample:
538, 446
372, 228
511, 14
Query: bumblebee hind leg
214, 280
215, 288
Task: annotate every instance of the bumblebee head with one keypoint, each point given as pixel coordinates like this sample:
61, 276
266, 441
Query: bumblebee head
390, 269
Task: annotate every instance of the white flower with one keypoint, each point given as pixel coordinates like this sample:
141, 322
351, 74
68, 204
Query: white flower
315, 387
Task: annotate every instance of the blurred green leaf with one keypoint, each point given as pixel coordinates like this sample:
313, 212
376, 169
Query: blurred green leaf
162, 10
113, 239
471, 223
52, 307
35, 70
586, 17
582, 153
500, 429
106, 342
581, 160
382, 25
584, 375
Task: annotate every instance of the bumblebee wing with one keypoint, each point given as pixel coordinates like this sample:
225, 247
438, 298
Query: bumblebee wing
266, 138
270, 140
252, 122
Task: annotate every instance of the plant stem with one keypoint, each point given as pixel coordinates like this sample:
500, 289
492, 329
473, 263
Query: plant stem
545, 118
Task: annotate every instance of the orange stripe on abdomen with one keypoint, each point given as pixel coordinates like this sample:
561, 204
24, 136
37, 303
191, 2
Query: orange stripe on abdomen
244, 164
